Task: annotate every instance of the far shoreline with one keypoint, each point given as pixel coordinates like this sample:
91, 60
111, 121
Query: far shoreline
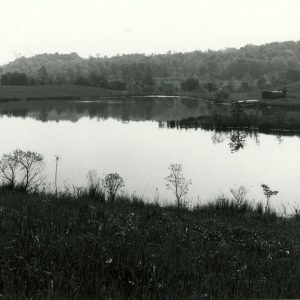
10, 93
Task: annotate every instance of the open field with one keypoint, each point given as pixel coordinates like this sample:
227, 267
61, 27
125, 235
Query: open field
293, 97
84, 247
73, 92
54, 92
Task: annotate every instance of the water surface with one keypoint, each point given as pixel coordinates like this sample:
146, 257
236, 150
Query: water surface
130, 136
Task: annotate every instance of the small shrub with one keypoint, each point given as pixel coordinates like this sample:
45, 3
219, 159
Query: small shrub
112, 183
22, 169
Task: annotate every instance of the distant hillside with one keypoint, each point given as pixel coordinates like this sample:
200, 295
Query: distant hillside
55, 64
250, 67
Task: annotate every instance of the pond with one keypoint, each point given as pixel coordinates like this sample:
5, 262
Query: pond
132, 137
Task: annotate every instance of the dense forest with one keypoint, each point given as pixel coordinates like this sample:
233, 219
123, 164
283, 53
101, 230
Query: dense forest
249, 67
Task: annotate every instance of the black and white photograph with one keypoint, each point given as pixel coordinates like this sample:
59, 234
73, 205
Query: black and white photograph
150, 149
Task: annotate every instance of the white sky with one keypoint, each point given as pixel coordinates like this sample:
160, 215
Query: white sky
109, 27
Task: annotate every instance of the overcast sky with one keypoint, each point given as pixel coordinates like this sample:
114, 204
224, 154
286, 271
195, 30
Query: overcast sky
109, 27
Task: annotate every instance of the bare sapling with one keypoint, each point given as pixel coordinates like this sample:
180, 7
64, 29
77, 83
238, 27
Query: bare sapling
177, 183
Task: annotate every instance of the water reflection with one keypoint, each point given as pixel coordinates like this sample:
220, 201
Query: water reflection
131, 109
237, 122
237, 140
218, 147
218, 137
233, 122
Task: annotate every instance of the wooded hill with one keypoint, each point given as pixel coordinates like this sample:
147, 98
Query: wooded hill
250, 66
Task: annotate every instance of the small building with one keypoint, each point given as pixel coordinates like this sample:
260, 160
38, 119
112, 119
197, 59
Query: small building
274, 94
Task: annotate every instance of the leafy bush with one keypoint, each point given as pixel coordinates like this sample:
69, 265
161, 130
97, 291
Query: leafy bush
112, 183
21, 169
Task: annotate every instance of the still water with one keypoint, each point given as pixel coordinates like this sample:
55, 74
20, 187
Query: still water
129, 136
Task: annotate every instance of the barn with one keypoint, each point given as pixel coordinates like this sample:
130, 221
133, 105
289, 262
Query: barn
274, 94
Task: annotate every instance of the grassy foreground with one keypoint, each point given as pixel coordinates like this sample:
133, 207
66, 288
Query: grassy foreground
86, 248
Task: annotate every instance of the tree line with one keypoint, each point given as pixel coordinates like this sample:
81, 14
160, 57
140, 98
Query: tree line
21, 78
253, 66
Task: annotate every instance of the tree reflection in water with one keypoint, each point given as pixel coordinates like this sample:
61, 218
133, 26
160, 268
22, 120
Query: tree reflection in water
237, 140
218, 137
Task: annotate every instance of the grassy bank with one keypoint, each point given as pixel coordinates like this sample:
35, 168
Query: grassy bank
73, 92
87, 248
292, 99
40, 92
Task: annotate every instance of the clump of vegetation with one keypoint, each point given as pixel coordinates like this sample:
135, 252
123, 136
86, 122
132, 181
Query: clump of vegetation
21, 169
190, 84
113, 183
